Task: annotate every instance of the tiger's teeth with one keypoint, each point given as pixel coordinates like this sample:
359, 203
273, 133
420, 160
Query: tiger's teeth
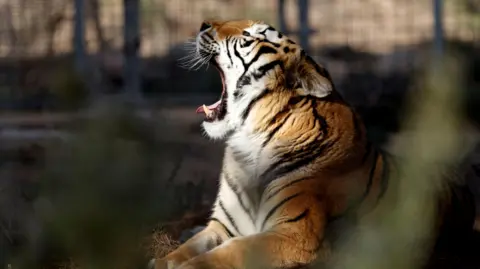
208, 112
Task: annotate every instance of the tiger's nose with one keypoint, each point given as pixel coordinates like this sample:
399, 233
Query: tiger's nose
204, 26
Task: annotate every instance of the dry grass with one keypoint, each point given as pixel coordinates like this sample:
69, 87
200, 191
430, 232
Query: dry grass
162, 244
162, 241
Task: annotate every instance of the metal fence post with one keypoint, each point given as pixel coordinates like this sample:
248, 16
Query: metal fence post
304, 31
78, 37
131, 47
281, 17
438, 26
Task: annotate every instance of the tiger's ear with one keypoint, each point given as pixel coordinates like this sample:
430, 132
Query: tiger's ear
308, 78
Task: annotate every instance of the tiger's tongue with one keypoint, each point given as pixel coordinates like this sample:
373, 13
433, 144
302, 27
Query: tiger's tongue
211, 107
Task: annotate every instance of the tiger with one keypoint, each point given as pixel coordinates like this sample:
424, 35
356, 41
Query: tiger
296, 157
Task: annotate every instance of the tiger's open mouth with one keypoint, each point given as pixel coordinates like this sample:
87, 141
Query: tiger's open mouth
217, 110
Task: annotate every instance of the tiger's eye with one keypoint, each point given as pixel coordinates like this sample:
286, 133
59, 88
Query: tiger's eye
245, 33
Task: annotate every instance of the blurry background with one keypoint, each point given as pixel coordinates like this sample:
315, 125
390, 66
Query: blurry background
75, 162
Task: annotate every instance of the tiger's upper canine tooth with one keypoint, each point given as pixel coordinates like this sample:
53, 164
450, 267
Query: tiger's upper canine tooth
207, 111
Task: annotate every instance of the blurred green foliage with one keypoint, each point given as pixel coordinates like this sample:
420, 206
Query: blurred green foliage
69, 88
400, 233
101, 192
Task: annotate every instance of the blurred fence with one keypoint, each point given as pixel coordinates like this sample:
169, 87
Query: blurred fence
37, 41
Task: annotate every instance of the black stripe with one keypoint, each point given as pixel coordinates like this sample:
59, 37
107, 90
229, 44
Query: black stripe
385, 178
244, 80
292, 101
238, 194
230, 184
303, 215
296, 99
264, 32
229, 233
275, 130
237, 94
247, 43
283, 187
262, 70
284, 110
227, 40
371, 175
369, 184
253, 49
276, 45
232, 221
237, 54
253, 102
261, 51
304, 157
241, 156
368, 188
276, 207
243, 77
323, 122
207, 37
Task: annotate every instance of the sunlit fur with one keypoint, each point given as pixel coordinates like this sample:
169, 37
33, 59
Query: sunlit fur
296, 160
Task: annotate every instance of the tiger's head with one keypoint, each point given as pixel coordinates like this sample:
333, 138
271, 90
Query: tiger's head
254, 60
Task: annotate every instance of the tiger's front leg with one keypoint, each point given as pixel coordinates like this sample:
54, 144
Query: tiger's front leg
294, 238
212, 236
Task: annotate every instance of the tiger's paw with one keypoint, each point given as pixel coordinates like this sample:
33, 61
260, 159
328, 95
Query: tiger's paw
202, 263
162, 264
151, 264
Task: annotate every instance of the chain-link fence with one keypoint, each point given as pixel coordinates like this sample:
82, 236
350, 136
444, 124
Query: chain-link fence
39, 28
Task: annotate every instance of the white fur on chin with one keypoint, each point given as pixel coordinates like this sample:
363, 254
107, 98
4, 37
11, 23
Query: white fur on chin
216, 130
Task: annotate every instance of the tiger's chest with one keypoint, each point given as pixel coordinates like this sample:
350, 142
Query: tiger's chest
239, 207
239, 200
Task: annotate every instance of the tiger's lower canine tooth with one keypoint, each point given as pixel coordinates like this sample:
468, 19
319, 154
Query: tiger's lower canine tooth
207, 110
